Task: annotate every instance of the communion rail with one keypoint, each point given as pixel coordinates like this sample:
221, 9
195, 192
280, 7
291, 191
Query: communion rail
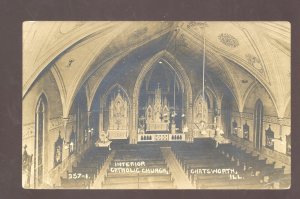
161, 137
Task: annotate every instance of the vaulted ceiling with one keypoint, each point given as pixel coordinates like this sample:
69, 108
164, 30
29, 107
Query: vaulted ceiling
239, 54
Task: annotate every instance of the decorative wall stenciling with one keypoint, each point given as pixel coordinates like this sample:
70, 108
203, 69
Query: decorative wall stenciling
55, 123
248, 116
286, 122
28, 131
270, 119
228, 40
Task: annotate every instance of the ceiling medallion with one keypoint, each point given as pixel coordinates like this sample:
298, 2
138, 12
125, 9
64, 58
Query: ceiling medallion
197, 23
252, 60
228, 40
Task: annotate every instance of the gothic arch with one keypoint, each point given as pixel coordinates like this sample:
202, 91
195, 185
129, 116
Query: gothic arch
183, 79
103, 99
258, 124
40, 137
60, 84
287, 109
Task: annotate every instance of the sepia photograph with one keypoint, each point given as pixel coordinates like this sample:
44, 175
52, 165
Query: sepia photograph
156, 105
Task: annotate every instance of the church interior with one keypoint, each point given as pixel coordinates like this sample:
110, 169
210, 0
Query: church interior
156, 105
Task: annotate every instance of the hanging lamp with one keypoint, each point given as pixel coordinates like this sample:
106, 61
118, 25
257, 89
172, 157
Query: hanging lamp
202, 122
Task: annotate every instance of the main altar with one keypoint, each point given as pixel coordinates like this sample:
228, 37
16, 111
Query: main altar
157, 113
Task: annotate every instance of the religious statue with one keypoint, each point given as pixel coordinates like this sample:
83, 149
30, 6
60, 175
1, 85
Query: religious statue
270, 138
246, 131
58, 150
72, 143
85, 135
26, 167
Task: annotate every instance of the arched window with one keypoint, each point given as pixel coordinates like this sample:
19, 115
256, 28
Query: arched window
40, 128
258, 124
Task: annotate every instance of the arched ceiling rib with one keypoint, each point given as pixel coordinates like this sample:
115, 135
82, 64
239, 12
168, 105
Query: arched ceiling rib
81, 53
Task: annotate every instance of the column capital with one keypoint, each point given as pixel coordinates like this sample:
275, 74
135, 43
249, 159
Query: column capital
65, 120
280, 121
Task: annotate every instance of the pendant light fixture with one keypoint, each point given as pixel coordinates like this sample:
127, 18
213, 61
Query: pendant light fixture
202, 123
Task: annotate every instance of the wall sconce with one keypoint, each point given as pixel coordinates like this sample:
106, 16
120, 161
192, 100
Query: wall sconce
238, 129
66, 144
91, 131
173, 114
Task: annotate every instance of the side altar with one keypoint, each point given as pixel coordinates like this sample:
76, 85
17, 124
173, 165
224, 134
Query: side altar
118, 117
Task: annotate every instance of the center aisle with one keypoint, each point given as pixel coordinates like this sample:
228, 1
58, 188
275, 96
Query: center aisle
181, 179
100, 178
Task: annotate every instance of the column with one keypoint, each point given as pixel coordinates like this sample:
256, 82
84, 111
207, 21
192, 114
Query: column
240, 127
66, 146
190, 123
280, 122
90, 126
100, 121
133, 132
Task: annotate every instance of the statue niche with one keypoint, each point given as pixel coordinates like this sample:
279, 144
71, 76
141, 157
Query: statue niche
157, 113
118, 117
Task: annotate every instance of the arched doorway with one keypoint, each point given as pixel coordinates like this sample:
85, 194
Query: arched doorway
40, 132
258, 124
